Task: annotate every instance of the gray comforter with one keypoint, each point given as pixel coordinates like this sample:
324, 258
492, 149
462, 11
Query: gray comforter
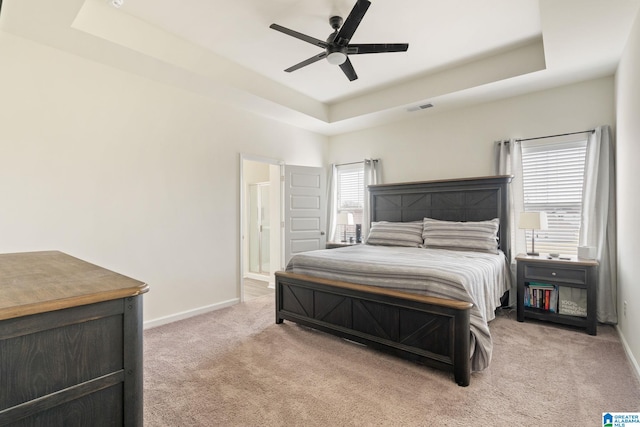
479, 278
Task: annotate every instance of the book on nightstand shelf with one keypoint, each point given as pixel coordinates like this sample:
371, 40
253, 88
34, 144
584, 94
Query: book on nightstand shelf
543, 296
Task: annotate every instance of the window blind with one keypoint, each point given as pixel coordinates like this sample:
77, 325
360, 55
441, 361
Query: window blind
350, 189
553, 178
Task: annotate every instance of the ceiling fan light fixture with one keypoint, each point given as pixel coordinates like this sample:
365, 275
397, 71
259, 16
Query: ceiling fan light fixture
336, 58
338, 45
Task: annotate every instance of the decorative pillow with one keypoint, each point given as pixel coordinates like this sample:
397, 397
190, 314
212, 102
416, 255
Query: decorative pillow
385, 233
480, 236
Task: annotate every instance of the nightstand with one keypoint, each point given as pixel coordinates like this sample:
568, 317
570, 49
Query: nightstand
558, 290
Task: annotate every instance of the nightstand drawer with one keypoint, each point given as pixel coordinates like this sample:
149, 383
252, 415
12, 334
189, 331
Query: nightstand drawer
535, 272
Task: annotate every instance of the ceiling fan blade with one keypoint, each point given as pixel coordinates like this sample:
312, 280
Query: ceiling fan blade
348, 70
314, 41
351, 23
359, 49
306, 62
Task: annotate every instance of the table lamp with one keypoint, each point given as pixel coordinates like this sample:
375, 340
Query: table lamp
344, 219
533, 221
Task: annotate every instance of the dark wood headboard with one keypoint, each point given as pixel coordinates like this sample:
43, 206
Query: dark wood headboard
466, 199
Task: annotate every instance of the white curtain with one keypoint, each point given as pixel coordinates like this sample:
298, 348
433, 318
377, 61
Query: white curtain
509, 162
371, 177
332, 202
598, 221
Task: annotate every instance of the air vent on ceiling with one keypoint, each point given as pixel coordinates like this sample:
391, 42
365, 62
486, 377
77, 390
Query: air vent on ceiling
420, 107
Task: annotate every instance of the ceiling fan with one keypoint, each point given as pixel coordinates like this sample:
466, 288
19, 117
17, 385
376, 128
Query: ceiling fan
337, 47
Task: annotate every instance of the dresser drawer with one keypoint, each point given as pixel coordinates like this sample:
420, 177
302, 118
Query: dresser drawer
555, 274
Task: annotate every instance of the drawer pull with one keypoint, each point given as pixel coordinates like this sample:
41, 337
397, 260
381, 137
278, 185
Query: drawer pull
553, 273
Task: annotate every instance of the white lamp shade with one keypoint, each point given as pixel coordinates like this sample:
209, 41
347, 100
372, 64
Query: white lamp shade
345, 218
533, 221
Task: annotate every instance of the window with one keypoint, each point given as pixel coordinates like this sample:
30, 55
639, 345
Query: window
350, 188
553, 178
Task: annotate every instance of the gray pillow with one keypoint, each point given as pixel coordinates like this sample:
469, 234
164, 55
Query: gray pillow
479, 236
385, 233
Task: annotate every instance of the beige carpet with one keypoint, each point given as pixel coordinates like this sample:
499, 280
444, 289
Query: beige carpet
236, 367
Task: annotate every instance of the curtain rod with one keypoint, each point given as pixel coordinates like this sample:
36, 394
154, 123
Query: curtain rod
355, 163
561, 134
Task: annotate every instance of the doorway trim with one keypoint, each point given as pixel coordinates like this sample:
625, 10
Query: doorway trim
242, 210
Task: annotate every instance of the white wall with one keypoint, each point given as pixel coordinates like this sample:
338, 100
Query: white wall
628, 196
129, 174
459, 143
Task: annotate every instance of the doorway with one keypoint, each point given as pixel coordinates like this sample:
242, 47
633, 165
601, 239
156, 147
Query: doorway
295, 195
261, 231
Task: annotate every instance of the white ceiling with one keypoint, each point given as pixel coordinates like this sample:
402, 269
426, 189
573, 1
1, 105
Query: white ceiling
460, 51
239, 30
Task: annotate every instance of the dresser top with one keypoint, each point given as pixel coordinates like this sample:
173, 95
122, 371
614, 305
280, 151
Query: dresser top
37, 282
572, 260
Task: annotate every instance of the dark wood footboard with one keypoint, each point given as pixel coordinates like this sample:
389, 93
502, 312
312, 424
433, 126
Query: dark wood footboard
428, 330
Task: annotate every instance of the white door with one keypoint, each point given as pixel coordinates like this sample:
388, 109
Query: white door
304, 210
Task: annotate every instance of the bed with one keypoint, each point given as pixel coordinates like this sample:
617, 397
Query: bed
443, 331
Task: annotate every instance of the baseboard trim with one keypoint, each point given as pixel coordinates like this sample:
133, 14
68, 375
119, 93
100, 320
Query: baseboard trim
189, 313
255, 276
630, 356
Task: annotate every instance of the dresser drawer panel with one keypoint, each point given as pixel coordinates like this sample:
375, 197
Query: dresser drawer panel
45, 362
560, 274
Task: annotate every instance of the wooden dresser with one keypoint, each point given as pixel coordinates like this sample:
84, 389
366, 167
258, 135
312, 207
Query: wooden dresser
70, 343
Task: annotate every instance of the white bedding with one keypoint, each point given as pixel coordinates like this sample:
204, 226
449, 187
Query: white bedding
476, 277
